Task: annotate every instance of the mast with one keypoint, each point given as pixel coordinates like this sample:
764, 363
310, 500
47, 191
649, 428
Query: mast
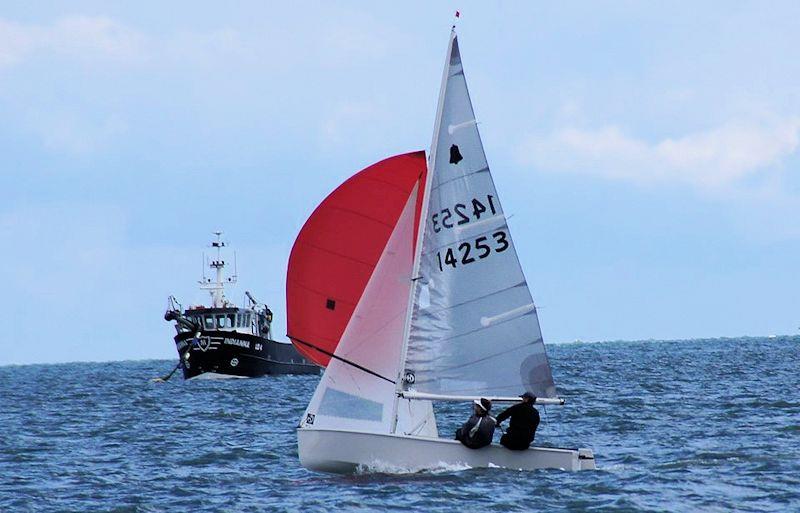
217, 288
401, 380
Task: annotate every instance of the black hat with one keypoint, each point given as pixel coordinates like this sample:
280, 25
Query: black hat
528, 395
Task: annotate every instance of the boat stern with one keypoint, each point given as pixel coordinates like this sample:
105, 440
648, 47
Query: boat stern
586, 459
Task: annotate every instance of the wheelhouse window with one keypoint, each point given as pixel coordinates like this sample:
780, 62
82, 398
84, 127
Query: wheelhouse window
209, 322
220, 321
231, 321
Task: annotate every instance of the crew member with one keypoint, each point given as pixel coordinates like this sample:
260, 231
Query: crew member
522, 426
478, 431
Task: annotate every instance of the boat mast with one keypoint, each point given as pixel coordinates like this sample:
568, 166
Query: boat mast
401, 378
217, 288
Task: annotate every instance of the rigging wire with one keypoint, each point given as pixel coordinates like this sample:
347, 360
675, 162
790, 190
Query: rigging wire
343, 360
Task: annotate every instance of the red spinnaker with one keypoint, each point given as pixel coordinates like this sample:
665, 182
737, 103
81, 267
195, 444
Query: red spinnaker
338, 247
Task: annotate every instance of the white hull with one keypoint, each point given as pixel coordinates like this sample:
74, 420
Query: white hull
347, 451
214, 376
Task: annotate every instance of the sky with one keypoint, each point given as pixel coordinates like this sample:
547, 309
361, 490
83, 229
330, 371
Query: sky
649, 155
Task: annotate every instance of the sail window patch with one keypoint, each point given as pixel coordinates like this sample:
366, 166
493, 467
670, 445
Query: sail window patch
330, 304
336, 403
455, 155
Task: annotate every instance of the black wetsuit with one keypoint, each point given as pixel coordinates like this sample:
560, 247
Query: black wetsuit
521, 428
483, 436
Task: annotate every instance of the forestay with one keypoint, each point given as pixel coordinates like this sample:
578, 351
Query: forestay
474, 328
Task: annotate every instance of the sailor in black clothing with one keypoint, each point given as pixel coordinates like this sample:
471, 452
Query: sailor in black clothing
478, 431
522, 426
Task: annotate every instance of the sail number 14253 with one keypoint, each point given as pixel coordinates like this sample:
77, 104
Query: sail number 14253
471, 251
464, 213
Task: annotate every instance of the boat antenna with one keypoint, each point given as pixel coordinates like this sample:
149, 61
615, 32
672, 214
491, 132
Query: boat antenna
235, 269
217, 287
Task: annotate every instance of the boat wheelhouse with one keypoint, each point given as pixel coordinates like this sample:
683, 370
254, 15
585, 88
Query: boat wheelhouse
229, 319
226, 341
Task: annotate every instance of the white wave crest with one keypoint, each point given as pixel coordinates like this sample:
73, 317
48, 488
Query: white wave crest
382, 467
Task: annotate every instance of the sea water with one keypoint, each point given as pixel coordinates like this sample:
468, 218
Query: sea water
698, 425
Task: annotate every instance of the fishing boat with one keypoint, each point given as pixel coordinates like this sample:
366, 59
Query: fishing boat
223, 340
405, 283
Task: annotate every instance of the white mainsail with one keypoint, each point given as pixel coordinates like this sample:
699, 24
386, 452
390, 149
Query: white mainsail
473, 328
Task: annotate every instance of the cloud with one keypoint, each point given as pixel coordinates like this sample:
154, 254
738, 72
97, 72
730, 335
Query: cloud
342, 45
352, 40
348, 117
76, 291
730, 157
72, 133
81, 37
15, 43
82, 84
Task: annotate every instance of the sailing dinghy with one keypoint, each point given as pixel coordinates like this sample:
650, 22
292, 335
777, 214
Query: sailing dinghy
406, 285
